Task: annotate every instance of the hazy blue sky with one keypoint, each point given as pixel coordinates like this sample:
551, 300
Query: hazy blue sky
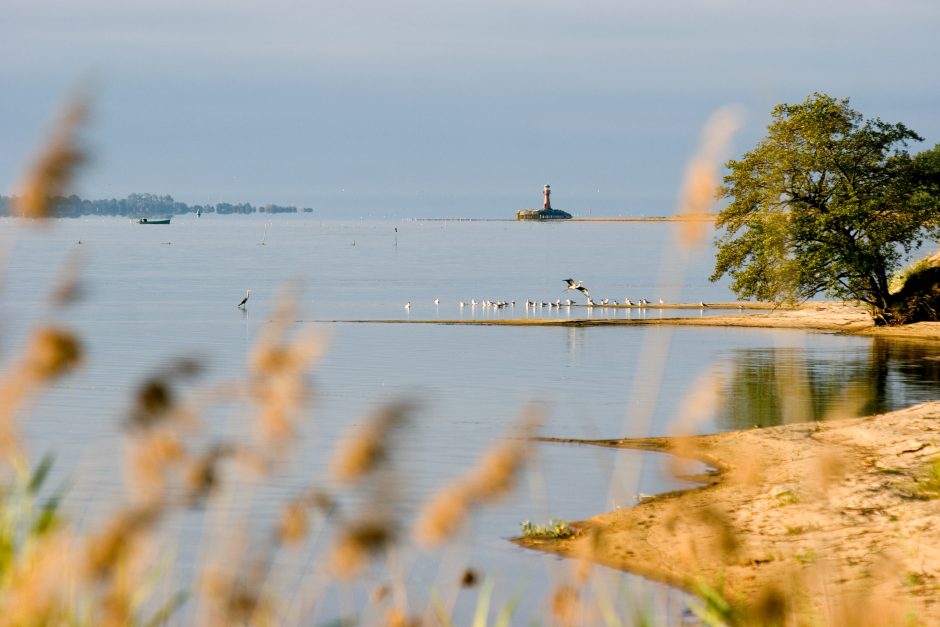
441, 108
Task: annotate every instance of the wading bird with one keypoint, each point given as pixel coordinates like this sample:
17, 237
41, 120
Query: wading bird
241, 305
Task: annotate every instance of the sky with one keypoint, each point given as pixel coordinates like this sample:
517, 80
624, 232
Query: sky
438, 108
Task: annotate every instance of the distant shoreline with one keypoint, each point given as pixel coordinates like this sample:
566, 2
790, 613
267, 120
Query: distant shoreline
696, 218
699, 218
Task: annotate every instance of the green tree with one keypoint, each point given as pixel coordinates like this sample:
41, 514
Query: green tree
828, 202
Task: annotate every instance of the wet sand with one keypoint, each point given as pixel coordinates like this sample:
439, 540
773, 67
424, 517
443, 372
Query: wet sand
825, 316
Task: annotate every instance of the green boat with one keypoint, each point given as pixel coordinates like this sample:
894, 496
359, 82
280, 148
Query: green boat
154, 221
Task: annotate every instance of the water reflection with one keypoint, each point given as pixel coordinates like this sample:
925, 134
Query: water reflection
771, 386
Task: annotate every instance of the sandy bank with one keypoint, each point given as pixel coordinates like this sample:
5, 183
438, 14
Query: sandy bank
827, 316
833, 522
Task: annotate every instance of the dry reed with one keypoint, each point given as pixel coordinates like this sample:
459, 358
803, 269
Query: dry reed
57, 163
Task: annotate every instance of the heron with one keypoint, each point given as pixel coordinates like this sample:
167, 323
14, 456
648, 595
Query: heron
577, 286
241, 305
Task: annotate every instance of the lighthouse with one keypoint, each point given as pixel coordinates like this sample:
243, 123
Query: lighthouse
546, 212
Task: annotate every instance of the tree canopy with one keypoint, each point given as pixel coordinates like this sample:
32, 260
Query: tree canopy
828, 202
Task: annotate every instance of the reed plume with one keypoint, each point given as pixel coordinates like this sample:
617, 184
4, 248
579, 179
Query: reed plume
51, 353
278, 367
55, 166
699, 190
363, 450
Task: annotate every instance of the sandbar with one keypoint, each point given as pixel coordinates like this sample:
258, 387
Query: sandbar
831, 522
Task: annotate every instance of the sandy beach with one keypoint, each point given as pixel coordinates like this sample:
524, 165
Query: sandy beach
823, 523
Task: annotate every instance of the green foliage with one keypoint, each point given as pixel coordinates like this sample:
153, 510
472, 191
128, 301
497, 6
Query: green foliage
787, 497
827, 202
29, 521
482, 610
916, 291
713, 608
805, 557
928, 487
23, 518
900, 278
555, 530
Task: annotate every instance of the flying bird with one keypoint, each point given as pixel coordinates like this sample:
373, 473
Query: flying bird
577, 286
241, 305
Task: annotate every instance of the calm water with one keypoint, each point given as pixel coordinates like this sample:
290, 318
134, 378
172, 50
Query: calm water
155, 293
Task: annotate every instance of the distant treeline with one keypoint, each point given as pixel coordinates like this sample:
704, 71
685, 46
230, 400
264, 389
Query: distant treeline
144, 205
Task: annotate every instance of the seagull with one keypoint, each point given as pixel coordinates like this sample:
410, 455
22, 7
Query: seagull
701, 303
628, 302
577, 286
569, 302
463, 304
408, 305
661, 302
437, 301
241, 305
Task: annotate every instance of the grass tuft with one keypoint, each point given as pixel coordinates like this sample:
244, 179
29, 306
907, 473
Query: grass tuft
556, 529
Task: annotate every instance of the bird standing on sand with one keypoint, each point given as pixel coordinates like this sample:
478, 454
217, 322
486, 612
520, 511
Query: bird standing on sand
241, 305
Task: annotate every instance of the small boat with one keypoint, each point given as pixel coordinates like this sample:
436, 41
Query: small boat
154, 221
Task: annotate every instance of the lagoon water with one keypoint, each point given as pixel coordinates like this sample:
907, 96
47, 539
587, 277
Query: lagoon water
156, 293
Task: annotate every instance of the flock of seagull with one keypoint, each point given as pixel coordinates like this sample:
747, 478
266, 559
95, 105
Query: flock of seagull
557, 303
530, 304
